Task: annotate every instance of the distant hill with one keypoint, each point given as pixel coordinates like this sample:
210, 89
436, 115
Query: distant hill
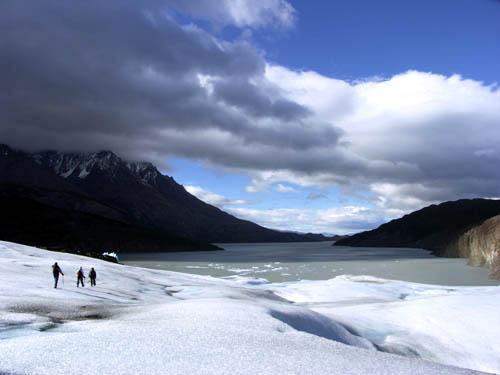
98, 200
452, 229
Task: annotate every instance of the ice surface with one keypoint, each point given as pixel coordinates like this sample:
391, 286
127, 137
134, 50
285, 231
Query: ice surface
145, 321
459, 326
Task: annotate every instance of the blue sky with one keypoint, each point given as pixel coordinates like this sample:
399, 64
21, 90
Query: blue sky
313, 116
233, 185
362, 38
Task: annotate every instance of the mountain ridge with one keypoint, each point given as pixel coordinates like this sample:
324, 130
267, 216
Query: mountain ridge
132, 193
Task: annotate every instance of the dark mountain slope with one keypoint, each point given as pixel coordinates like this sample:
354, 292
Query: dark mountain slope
40, 208
26, 221
155, 200
97, 200
433, 228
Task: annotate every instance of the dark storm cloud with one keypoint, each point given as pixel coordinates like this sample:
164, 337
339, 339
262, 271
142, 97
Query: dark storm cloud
118, 74
257, 101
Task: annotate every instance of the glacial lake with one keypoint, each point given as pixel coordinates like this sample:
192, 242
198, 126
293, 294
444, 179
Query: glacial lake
279, 262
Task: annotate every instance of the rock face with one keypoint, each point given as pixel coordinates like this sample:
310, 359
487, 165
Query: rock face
88, 200
468, 228
481, 245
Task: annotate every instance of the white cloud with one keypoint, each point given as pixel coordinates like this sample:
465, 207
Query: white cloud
485, 152
338, 220
240, 13
413, 139
213, 198
262, 179
280, 188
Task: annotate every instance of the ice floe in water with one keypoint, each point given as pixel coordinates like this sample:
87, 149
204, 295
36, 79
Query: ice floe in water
144, 321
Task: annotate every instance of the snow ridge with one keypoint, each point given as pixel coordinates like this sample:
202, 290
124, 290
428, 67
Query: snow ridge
145, 171
81, 165
77, 164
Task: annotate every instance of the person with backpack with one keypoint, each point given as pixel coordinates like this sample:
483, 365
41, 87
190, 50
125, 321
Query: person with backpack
56, 270
92, 276
79, 277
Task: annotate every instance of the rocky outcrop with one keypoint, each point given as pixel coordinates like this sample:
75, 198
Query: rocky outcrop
481, 244
468, 228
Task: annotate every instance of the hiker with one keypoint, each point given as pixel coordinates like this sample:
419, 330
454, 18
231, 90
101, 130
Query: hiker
56, 270
79, 277
92, 276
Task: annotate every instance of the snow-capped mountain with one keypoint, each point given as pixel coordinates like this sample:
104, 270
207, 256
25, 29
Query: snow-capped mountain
77, 164
146, 171
80, 165
102, 187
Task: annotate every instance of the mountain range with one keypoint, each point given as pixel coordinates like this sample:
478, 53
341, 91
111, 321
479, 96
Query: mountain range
96, 201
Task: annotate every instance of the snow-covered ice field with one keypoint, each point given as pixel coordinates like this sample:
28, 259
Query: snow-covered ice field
142, 321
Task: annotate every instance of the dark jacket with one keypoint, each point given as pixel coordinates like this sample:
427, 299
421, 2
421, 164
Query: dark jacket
56, 270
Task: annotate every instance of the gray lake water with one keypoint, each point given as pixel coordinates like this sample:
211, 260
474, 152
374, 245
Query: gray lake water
279, 262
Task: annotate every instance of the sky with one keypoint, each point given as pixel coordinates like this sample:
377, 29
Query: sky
324, 116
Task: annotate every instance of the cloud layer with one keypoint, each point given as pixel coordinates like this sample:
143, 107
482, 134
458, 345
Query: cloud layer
240, 13
213, 198
126, 75
413, 138
338, 220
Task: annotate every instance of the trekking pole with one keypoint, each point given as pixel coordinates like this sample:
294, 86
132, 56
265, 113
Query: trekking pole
63, 279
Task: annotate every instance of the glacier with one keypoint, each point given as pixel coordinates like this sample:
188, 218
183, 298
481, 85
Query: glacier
145, 321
